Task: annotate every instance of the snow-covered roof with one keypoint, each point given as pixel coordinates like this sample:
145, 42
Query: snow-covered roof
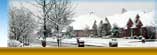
83, 21
121, 19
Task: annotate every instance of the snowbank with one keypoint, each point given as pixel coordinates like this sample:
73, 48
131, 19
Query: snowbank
14, 43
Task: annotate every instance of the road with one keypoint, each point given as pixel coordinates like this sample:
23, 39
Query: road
53, 44
37, 43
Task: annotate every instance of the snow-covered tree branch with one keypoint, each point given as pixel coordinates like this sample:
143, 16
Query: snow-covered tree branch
21, 24
56, 14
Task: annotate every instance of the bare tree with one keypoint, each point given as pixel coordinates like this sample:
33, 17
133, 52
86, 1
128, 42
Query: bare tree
61, 14
55, 14
69, 32
86, 31
21, 24
45, 6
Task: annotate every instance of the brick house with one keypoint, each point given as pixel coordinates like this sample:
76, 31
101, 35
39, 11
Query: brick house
132, 25
135, 29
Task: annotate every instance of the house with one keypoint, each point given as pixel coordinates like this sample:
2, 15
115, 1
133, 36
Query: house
134, 28
83, 25
130, 23
135, 24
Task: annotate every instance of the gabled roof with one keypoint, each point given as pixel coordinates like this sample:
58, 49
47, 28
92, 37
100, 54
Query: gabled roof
83, 21
121, 20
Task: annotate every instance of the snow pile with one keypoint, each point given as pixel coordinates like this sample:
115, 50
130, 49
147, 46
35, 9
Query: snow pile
14, 43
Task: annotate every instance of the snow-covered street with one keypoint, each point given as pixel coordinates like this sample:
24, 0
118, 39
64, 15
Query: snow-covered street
100, 42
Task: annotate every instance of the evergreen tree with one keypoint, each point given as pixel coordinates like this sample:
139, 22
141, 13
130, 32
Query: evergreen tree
115, 31
94, 27
108, 27
100, 29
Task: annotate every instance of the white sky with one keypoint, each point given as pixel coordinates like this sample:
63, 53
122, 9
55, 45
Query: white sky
102, 7
110, 8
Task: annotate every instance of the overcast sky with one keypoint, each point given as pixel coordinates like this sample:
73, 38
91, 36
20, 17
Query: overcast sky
110, 7
106, 7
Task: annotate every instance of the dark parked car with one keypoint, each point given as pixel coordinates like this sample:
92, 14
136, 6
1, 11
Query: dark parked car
113, 43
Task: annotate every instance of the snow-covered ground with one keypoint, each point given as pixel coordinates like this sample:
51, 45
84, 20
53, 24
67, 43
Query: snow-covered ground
37, 45
105, 42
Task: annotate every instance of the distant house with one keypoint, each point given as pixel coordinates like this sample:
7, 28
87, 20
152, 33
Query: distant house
83, 25
137, 26
130, 23
83, 33
136, 29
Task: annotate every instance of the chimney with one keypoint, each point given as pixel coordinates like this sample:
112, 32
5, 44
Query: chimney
123, 10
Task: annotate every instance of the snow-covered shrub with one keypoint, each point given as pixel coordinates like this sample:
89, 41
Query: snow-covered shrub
14, 43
